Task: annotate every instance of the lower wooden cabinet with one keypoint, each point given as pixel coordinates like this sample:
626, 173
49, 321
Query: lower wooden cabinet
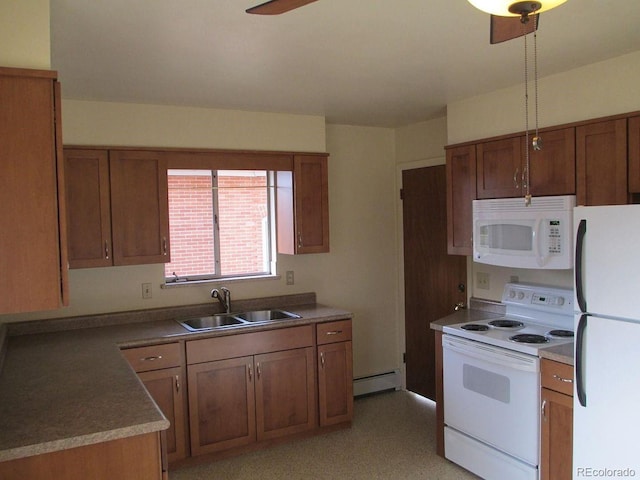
159, 368
131, 458
556, 428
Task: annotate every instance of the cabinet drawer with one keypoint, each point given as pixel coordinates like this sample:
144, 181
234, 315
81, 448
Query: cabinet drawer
244, 344
332, 332
557, 376
153, 357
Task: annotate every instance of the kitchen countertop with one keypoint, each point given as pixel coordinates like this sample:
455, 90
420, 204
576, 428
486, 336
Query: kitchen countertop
71, 387
483, 310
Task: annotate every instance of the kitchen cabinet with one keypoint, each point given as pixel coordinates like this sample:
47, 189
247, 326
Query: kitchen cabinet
33, 241
502, 170
601, 163
303, 206
118, 207
461, 191
250, 387
634, 154
335, 372
159, 367
556, 428
130, 458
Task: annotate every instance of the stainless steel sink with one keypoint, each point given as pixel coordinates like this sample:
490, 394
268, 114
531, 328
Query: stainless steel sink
213, 321
224, 320
266, 315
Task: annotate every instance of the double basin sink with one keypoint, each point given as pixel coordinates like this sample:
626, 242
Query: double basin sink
223, 320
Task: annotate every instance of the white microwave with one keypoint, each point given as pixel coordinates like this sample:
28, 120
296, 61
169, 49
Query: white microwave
508, 233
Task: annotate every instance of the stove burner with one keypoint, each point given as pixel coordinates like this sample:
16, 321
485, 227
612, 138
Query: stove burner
528, 338
560, 334
475, 327
506, 324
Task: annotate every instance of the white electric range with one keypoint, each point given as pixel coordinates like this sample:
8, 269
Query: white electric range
491, 378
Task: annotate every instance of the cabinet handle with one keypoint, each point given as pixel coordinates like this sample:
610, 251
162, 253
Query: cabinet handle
300, 245
250, 372
334, 332
177, 383
106, 249
151, 359
525, 170
164, 246
562, 379
257, 371
515, 177
544, 410
322, 359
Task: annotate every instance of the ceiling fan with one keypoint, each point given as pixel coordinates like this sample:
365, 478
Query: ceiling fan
276, 7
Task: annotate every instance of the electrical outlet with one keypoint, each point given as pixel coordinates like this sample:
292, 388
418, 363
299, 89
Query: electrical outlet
289, 277
483, 280
146, 290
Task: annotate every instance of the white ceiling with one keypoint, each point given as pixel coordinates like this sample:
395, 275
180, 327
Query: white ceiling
363, 62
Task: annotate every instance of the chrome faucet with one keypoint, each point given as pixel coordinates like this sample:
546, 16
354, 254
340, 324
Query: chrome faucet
224, 297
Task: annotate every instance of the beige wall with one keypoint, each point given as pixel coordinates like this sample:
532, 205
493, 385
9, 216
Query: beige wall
597, 90
24, 34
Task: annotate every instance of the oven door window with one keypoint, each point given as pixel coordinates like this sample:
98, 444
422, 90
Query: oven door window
484, 382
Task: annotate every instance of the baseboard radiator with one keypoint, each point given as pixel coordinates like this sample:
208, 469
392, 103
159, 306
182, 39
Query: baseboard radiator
377, 383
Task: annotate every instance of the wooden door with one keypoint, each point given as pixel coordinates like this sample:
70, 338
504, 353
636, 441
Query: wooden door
461, 191
335, 383
139, 207
88, 208
165, 387
285, 393
433, 281
634, 155
552, 170
556, 436
499, 168
221, 405
33, 260
601, 163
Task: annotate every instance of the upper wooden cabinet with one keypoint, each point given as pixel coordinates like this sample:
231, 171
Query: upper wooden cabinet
502, 170
461, 191
601, 163
32, 213
118, 207
303, 206
634, 154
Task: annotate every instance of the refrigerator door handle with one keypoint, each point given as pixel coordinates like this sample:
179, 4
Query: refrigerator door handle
582, 230
580, 389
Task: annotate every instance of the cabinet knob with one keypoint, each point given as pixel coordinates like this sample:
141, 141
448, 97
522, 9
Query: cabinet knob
106, 249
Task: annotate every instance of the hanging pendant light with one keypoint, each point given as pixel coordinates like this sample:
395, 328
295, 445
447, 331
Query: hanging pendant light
509, 8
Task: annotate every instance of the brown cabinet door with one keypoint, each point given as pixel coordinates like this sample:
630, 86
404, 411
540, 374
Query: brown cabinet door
88, 208
33, 260
303, 206
499, 168
634, 155
461, 191
139, 207
552, 170
556, 436
285, 393
335, 383
601, 163
222, 411
165, 386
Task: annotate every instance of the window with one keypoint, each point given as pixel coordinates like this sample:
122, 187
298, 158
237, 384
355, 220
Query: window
220, 224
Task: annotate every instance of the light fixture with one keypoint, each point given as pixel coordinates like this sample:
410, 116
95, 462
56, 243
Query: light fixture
509, 8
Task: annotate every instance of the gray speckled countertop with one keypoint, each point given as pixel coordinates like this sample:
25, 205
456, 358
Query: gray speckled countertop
67, 388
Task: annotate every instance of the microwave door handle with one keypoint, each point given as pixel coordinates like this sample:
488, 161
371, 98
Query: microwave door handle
536, 243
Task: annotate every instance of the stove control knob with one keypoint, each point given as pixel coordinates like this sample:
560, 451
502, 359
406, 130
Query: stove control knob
560, 301
520, 295
512, 294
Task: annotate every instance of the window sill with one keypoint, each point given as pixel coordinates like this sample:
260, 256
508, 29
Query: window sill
225, 281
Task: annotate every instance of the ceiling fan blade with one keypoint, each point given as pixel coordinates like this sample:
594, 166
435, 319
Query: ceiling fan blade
276, 7
506, 28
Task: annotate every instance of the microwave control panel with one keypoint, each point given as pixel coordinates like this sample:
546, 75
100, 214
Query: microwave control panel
554, 236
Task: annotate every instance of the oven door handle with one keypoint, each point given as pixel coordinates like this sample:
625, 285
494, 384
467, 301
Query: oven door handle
488, 353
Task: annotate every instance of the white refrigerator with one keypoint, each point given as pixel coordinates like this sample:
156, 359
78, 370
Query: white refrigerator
606, 416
